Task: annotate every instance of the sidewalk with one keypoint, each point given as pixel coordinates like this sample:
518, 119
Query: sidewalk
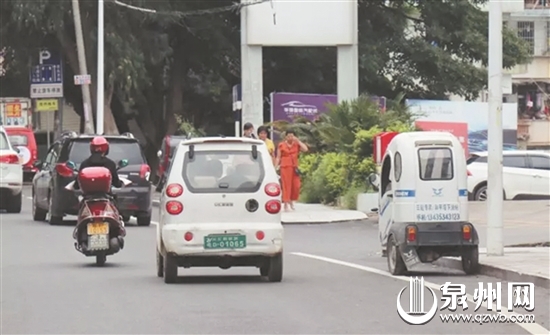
517, 264
313, 214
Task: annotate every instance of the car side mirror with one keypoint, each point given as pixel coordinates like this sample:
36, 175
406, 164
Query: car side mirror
71, 165
122, 163
374, 181
159, 153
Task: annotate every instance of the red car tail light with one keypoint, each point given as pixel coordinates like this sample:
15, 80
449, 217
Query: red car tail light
411, 233
260, 235
273, 206
9, 159
174, 190
188, 236
174, 207
144, 171
272, 189
466, 232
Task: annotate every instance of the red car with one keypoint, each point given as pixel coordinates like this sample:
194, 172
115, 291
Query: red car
23, 139
165, 155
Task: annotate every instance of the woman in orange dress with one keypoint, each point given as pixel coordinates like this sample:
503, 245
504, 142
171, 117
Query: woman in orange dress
287, 162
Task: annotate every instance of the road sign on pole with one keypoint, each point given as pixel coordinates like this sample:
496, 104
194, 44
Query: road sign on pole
82, 79
47, 76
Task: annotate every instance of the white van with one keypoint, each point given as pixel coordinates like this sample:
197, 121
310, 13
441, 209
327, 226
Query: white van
221, 207
423, 202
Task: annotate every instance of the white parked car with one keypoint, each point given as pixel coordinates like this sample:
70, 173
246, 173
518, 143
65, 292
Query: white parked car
221, 207
525, 174
11, 176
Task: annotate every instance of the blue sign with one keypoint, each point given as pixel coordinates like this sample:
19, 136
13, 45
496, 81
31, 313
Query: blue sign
47, 77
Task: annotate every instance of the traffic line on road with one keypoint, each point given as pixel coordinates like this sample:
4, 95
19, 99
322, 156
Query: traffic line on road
531, 328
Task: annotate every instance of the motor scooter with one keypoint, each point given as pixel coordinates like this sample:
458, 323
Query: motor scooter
99, 231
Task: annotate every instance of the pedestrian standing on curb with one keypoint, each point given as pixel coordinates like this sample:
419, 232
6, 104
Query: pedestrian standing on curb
288, 152
248, 130
262, 135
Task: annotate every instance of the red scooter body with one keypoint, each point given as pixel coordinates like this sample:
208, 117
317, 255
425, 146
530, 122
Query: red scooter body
99, 230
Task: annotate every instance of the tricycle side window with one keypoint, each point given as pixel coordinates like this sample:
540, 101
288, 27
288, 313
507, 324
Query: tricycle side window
436, 163
397, 167
385, 182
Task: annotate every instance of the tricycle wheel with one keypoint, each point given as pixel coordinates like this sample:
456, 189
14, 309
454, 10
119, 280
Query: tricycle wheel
470, 260
100, 260
396, 265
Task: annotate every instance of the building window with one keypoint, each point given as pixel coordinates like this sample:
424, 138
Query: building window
526, 31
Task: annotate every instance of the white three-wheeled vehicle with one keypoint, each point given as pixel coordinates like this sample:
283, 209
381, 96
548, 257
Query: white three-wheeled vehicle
423, 203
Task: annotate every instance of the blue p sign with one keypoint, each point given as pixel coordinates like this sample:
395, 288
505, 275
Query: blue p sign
44, 56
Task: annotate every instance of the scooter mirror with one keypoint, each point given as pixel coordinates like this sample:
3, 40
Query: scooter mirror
159, 153
122, 163
71, 165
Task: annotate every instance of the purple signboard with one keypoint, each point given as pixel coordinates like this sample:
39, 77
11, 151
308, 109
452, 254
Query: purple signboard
287, 106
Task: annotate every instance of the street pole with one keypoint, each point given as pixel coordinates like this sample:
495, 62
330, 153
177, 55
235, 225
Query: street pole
86, 96
494, 183
100, 68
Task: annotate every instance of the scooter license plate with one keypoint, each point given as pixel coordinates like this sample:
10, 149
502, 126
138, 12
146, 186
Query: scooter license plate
98, 228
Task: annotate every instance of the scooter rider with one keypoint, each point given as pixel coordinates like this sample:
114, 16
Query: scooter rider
99, 148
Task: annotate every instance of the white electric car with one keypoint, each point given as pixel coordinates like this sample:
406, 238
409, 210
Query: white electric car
11, 176
221, 207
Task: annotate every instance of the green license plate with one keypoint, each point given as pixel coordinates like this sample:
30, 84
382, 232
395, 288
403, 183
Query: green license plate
225, 242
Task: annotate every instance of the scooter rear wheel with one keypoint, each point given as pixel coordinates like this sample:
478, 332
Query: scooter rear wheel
100, 260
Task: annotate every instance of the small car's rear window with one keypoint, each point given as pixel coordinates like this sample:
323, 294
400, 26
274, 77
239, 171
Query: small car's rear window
118, 149
17, 140
436, 163
223, 172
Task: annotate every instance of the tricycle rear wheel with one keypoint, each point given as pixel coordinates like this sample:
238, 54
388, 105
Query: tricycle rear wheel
470, 260
396, 265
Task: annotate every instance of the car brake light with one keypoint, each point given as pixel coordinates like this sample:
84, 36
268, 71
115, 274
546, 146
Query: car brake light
174, 190
466, 232
411, 233
188, 236
174, 207
63, 170
272, 189
144, 171
260, 235
9, 159
273, 206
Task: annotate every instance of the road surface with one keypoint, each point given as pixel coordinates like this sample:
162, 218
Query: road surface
335, 282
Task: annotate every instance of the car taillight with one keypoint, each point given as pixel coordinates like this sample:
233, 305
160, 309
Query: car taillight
9, 159
188, 236
411, 233
260, 235
63, 170
174, 190
174, 207
273, 190
469, 173
467, 232
144, 171
273, 206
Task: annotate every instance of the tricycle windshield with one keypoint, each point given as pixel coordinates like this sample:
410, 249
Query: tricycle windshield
436, 163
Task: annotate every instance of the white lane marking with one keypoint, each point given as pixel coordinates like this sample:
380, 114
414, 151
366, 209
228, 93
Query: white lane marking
532, 328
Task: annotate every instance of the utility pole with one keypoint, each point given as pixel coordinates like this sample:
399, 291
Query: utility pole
494, 182
86, 96
100, 67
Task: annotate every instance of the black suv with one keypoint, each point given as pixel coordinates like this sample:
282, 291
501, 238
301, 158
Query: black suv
51, 199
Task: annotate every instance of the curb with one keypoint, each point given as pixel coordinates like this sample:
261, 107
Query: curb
501, 273
157, 202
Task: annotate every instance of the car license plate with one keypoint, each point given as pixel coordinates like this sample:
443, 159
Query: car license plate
101, 228
225, 242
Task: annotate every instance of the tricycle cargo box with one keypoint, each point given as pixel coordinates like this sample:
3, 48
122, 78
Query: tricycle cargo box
95, 180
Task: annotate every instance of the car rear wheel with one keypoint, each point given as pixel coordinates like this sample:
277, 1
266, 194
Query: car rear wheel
160, 265
14, 203
144, 221
275, 272
170, 268
38, 214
